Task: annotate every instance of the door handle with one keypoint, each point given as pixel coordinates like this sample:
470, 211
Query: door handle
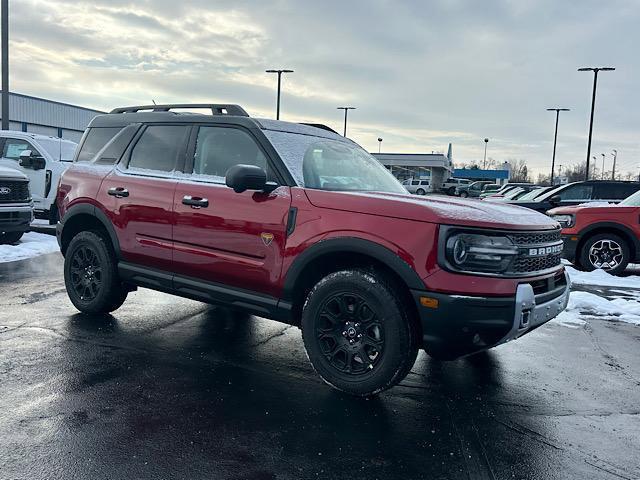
195, 202
118, 192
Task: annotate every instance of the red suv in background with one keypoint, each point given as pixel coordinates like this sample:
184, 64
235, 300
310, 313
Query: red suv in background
298, 224
601, 236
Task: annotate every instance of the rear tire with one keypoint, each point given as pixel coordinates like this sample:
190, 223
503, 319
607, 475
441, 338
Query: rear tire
464, 194
606, 251
358, 336
451, 191
91, 275
10, 237
421, 191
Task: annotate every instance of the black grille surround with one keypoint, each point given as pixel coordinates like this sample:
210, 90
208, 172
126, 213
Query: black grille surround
539, 251
14, 191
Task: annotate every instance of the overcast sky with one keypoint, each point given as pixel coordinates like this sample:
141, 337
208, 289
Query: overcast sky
421, 73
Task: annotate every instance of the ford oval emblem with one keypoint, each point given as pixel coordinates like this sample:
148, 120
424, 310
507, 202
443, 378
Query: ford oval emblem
5, 190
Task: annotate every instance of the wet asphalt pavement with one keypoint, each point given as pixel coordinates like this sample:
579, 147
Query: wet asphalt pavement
170, 388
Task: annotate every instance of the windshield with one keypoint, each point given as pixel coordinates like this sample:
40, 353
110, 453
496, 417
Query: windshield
632, 201
533, 193
512, 194
327, 164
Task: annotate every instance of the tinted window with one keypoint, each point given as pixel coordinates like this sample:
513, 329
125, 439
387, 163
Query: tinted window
13, 147
114, 149
218, 149
576, 192
159, 148
614, 191
415, 182
424, 182
96, 139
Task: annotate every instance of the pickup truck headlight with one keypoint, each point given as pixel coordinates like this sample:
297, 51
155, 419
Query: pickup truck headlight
473, 252
565, 221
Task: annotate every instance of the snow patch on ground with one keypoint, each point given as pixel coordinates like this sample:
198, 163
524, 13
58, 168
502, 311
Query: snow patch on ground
602, 278
584, 305
30, 245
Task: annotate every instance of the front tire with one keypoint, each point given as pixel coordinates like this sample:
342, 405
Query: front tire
10, 237
358, 335
421, 191
464, 194
91, 275
606, 251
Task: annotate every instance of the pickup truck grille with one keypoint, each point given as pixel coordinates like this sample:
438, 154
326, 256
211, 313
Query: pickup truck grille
14, 191
538, 252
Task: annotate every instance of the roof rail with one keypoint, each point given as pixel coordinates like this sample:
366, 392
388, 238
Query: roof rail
320, 125
216, 108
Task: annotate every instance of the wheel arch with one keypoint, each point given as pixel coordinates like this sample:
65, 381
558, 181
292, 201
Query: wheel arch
84, 217
610, 227
331, 255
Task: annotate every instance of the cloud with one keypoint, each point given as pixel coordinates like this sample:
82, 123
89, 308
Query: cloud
422, 74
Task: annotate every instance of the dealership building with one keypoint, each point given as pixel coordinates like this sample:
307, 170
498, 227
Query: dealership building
435, 167
47, 117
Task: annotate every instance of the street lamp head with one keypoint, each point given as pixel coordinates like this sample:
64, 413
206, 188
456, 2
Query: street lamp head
558, 109
345, 108
278, 71
486, 140
595, 69
380, 139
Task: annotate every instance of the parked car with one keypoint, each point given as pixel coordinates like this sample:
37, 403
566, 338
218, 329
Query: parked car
601, 237
581, 192
471, 190
505, 188
247, 213
42, 159
16, 207
449, 187
513, 194
419, 187
490, 188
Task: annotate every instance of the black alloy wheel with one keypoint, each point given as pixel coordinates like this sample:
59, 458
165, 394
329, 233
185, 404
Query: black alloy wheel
86, 273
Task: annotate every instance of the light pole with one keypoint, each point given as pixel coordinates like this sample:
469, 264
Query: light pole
5, 64
602, 175
484, 163
614, 153
555, 137
279, 72
379, 144
595, 168
346, 109
595, 71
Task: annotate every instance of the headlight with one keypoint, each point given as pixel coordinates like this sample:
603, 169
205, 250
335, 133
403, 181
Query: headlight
472, 252
565, 221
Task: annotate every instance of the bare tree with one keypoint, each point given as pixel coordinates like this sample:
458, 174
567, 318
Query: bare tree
519, 171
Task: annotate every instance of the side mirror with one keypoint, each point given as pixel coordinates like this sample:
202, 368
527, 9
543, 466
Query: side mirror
29, 160
555, 200
248, 177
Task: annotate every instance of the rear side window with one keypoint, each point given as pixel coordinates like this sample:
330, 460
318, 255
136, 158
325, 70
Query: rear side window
159, 148
415, 182
96, 139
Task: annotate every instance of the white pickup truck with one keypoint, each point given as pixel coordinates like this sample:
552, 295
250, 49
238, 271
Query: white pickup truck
16, 207
43, 160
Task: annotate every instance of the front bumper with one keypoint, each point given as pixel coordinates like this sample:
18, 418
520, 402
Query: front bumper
570, 246
15, 218
463, 325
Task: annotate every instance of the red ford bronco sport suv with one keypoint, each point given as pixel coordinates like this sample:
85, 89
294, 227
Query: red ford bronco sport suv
297, 224
603, 237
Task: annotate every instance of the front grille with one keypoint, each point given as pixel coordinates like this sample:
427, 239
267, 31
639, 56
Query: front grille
535, 238
524, 262
14, 191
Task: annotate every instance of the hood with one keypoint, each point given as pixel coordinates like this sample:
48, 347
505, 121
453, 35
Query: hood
434, 209
582, 209
12, 174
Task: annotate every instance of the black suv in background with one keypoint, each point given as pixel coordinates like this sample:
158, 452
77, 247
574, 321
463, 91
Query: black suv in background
581, 192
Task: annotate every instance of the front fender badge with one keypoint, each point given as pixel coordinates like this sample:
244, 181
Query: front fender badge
267, 238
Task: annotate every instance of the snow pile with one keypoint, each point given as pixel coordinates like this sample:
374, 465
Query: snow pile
602, 278
585, 305
31, 245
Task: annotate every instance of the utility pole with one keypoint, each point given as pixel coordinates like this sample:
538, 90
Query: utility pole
5, 64
484, 163
595, 71
613, 171
555, 137
379, 144
346, 109
279, 72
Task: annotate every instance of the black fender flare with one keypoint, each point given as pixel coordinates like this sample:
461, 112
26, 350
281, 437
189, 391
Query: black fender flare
350, 245
88, 209
612, 226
